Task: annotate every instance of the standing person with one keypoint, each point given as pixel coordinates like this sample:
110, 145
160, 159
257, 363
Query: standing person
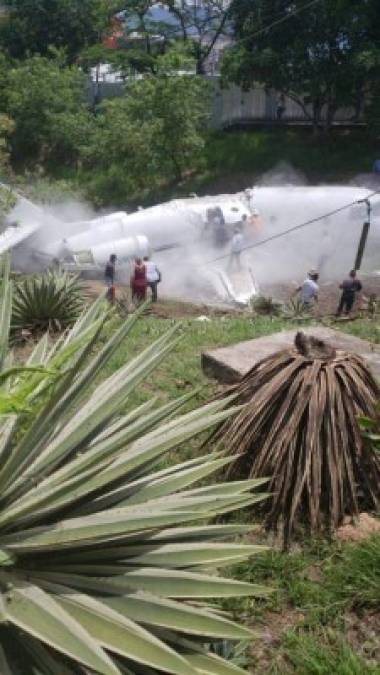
109, 274
281, 107
350, 287
237, 245
153, 276
138, 281
109, 277
309, 290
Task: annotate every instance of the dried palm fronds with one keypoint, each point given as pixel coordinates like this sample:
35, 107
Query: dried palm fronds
300, 426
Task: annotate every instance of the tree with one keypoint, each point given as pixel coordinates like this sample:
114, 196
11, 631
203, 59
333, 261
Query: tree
7, 198
314, 57
154, 133
34, 26
47, 103
6, 129
202, 25
199, 25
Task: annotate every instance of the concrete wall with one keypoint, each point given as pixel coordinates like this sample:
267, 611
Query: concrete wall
233, 106
230, 106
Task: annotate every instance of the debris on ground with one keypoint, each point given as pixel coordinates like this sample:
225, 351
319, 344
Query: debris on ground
365, 526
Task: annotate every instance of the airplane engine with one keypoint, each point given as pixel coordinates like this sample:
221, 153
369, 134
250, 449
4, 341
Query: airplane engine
124, 249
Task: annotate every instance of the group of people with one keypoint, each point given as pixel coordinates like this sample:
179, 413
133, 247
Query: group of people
350, 288
145, 274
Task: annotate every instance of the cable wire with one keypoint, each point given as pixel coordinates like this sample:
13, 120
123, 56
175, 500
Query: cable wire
291, 14
307, 223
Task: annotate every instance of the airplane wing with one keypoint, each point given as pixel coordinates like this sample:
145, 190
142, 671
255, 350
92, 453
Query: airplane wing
15, 234
23, 221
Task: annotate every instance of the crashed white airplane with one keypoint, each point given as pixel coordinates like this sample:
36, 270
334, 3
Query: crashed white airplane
191, 239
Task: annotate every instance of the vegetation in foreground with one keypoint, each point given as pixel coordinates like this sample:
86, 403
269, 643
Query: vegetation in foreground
46, 302
299, 425
291, 617
103, 556
324, 614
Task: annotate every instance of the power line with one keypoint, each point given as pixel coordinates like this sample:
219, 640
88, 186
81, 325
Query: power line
291, 14
312, 221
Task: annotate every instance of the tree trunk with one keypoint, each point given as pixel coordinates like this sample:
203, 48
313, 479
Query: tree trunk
316, 116
330, 116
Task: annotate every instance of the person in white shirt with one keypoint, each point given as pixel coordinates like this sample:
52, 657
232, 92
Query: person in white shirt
237, 245
309, 289
153, 277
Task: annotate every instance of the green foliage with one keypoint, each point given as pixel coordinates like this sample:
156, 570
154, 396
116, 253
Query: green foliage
296, 310
321, 654
140, 141
46, 102
323, 581
47, 302
320, 57
198, 26
34, 26
371, 429
7, 202
110, 565
355, 576
263, 305
6, 129
236, 654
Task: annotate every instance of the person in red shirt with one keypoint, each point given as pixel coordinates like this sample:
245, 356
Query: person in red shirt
139, 281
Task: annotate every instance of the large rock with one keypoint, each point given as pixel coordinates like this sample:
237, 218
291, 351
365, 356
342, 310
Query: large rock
229, 364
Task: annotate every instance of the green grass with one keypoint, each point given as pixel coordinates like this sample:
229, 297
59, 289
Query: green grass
322, 579
318, 587
342, 155
234, 160
181, 372
319, 583
320, 653
355, 578
364, 328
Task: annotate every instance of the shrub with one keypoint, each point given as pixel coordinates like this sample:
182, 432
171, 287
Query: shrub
50, 301
107, 561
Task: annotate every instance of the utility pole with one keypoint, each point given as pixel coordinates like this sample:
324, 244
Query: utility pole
364, 235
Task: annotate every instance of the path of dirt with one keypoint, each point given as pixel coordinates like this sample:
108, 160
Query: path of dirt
175, 309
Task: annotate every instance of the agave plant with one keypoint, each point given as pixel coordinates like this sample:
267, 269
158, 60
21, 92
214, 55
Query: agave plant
50, 301
300, 425
296, 310
107, 560
265, 306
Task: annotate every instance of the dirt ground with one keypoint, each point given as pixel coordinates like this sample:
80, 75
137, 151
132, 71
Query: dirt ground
329, 294
176, 309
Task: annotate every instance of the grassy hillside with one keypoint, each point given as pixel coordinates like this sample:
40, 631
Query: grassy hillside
341, 157
234, 160
323, 615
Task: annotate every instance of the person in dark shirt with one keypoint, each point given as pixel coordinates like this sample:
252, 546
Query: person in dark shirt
350, 287
109, 274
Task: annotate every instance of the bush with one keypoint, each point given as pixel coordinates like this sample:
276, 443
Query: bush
47, 302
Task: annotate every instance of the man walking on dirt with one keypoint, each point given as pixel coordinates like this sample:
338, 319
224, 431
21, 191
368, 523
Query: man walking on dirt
350, 287
309, 290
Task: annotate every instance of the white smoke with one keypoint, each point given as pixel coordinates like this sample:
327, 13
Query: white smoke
194, 266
